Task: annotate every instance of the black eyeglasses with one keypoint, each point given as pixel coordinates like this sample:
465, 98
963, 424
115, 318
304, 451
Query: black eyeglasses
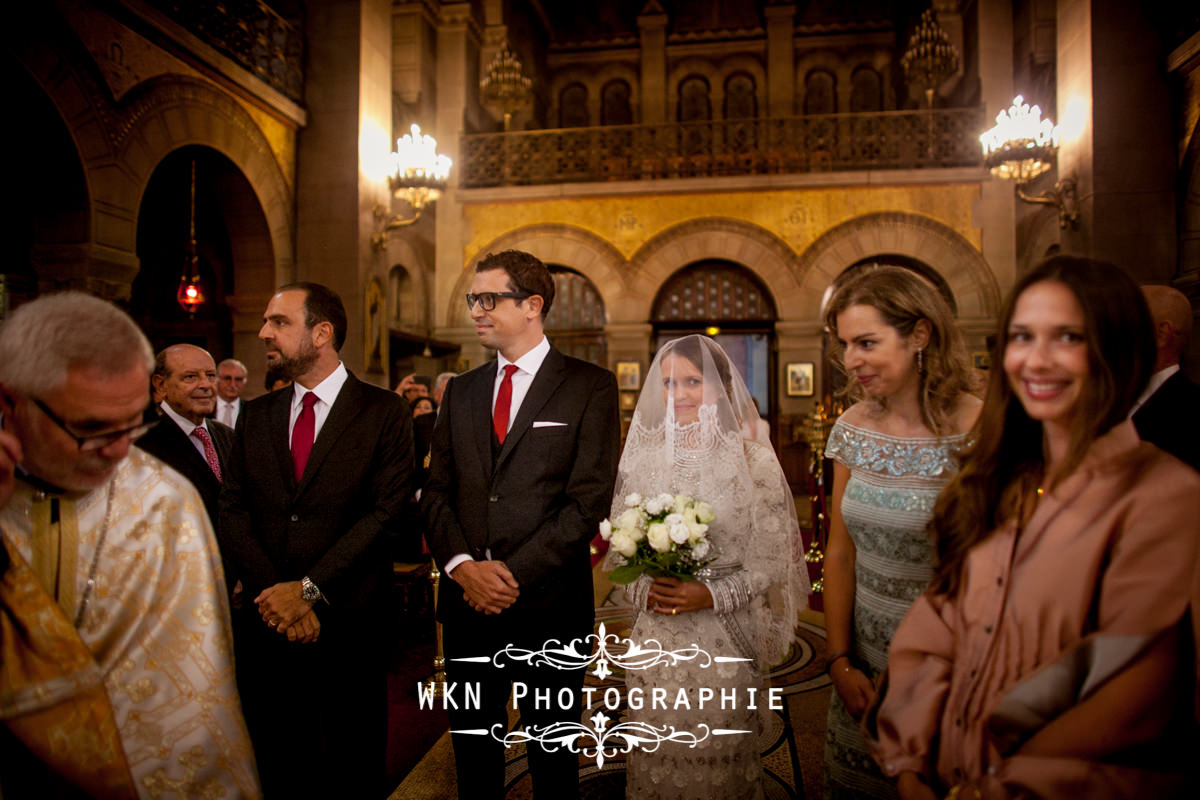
487, 300
96, 441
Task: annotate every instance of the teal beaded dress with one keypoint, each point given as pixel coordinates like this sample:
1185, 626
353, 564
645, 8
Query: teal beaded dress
887, 502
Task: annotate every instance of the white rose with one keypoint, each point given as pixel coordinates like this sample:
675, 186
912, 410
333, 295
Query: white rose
704, 513
689, 515
679, 532
666, 500
673, 519
633, 499
682, 501
659, 537
629, 519
605, 530
623, 544
654, 507
696, 531
700, 551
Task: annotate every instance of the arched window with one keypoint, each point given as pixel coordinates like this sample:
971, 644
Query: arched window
696, 107
576, 320
740, 100
573, 107
820, 93
614, 104
694, 103
741, 106
866, 92
404, 304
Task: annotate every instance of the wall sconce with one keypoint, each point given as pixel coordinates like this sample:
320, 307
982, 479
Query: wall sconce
1021, 147
417, 175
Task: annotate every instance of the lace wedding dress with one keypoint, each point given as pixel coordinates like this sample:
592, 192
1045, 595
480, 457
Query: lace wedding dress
758, 584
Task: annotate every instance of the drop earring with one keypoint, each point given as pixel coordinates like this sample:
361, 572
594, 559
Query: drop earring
921, 362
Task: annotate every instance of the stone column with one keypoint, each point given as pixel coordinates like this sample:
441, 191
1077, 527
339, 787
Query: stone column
653, 29
995, 212
339, 180
458, 42
781, 58
1116, 106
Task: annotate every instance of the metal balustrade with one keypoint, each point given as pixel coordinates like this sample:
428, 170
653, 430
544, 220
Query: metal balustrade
765, 146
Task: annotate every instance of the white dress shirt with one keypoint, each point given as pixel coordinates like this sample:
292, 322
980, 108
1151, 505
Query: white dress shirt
187, 426
227, 410
326, 392
527, 368
1155, 383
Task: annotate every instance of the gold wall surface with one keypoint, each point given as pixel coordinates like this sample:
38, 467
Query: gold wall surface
798, 216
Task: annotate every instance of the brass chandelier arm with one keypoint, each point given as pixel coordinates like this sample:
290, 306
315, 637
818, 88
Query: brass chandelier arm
390, 222
1062, 197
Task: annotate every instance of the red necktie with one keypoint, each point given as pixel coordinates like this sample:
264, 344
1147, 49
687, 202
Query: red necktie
302, 434
210, 452
503, 404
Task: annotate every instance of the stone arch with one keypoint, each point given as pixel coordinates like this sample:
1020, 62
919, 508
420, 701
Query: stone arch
964, 268
683, 70
753, 247
582, 251
167, 113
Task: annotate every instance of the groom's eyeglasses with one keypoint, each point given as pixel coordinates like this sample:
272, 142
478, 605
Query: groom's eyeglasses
487, 300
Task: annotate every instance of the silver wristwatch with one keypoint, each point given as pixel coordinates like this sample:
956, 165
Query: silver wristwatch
309, 590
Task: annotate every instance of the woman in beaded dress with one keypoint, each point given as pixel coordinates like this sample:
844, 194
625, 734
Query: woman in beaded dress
893, 451
687, 437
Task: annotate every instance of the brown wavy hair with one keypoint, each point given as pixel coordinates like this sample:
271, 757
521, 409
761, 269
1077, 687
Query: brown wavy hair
1002, 469
903, 298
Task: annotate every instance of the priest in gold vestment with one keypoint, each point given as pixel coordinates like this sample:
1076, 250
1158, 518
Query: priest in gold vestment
116, 668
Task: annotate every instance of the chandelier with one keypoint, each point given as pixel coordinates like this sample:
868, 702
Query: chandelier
930, 58
417, 174
505, 84
1023, 146
190, 294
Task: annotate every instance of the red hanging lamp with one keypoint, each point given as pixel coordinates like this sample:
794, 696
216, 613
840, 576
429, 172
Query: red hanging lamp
190, 294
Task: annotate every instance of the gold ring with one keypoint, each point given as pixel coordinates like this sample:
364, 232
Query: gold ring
674, 611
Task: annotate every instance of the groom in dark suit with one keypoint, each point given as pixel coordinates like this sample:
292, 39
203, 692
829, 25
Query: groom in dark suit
523, 460
319, 474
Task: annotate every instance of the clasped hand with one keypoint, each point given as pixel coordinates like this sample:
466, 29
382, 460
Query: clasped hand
487, 586
286, 612
673, 596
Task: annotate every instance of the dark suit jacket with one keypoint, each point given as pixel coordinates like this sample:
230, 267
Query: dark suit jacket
540, 502
333, 525
167, 442
1170, 419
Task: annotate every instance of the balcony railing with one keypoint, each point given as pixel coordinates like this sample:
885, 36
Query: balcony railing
252, 34
816, 143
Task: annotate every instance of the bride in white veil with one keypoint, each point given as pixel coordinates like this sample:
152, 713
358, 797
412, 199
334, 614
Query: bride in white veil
693, 433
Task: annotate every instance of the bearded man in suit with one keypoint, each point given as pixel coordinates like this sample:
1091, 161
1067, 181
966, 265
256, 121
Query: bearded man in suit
318, 477
523, 460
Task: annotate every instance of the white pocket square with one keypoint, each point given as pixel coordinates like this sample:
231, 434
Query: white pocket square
542, 423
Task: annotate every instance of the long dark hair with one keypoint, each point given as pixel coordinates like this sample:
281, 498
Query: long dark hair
1006, 462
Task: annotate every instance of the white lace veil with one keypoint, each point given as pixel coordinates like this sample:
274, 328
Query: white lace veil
721, 458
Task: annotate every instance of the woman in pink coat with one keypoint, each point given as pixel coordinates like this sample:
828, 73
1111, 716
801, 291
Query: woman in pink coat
1053, 655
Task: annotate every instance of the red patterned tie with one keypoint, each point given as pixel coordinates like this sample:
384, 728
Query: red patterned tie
210, 452
503, 404
302, 434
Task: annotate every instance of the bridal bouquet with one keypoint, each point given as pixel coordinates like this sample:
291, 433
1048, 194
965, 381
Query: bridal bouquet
665, 535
